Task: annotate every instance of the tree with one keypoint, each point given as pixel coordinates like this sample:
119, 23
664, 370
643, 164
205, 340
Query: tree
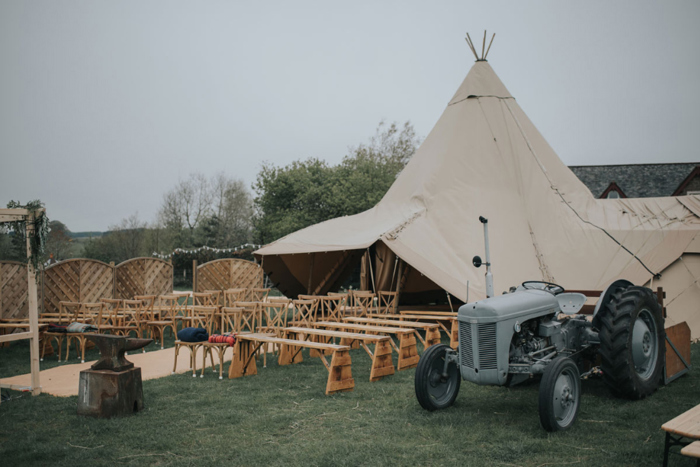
185, 207
123, 241
231, 223
307, 192
216, 212
58, 243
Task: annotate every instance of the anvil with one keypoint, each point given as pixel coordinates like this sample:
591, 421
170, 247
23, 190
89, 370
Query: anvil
112, 349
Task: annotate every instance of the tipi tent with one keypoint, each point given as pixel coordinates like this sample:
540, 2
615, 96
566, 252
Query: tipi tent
484, 157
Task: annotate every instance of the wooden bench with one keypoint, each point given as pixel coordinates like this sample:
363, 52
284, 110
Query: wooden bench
449, 314
452, 330
432, 331
408, 353
686, 425
382, 364
692, 450
247, 344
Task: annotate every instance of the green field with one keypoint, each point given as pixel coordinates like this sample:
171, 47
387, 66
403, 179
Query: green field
282, 417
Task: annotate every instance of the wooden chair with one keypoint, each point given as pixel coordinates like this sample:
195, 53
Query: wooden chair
204, 317
217, 297
67, 312
166, 307
203, 299
149, 305
83, 316
232, 296
363, 302
129, 318
231, 319
345, 301
304, 313
250, 316
387, 302
103, 318
258, 294
274, 320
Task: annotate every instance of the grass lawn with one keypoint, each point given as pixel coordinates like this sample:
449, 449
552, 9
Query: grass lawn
282, 417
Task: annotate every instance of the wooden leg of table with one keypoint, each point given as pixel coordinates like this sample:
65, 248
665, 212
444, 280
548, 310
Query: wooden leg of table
242, 363
340, 373
454, 335
408, 354
432, 337
290, 354
382, 363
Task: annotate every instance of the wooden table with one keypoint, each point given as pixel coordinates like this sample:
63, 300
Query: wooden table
686, 425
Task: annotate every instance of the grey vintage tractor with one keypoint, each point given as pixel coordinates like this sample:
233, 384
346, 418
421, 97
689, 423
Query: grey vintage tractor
534, 330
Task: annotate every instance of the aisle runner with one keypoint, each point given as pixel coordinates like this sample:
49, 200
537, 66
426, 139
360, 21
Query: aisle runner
63, 380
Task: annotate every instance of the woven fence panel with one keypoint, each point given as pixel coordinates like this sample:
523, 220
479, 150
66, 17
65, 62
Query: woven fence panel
13, 290
144, 276
77, 280
222, 274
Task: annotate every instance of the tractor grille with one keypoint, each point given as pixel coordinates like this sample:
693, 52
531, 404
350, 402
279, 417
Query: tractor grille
465, 344
487, 346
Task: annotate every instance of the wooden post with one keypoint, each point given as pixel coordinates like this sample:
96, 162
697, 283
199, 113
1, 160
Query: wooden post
194, 275
114, 280
311, 272
33, 309
398, 287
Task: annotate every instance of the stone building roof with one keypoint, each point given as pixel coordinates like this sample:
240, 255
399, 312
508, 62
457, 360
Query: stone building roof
635, 180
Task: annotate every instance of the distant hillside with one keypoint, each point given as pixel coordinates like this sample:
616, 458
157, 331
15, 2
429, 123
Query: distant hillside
85, 234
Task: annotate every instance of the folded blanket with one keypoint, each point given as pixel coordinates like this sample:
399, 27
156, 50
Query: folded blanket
219, 339
193, 335
56, 328
81, 327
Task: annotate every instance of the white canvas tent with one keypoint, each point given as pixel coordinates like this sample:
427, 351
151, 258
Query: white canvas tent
484, 157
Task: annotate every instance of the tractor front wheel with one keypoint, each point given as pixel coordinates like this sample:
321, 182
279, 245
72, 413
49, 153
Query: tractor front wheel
435, 389
560, 394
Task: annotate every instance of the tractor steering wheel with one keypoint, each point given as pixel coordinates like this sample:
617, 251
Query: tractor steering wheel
554, 289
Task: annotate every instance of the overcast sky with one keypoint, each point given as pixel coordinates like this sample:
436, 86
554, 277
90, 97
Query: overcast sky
104, 105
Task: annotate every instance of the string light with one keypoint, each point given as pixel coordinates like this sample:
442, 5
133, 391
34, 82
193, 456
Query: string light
208, 248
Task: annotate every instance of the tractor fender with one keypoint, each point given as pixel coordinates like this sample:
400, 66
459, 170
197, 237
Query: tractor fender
606, 296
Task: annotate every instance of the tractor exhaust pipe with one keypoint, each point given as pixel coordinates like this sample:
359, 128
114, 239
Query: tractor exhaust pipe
477, 261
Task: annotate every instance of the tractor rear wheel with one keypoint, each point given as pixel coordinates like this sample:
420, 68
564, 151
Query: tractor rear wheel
560, 394
435, 390
632, 342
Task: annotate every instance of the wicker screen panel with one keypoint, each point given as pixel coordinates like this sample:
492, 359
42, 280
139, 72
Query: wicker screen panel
77, 280
222, 274
13, 290
144, 276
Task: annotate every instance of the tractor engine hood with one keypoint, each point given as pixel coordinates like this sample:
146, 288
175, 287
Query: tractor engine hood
521, 304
